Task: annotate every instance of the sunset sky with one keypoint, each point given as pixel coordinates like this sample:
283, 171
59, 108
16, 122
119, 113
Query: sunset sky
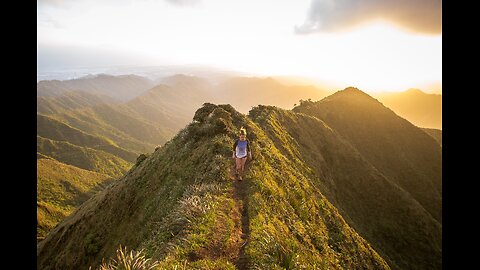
371, 44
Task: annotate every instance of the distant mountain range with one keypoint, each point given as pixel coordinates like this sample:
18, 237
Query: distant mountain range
119, 88
421, 109
103, 123
339, 182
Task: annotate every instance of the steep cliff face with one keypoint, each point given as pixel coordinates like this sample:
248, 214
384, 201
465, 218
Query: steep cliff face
311, 199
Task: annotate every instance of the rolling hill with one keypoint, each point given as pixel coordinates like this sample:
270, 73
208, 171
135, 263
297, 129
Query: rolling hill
155, 115
117, 123
83, 123
342, 183
69, 100
119, 88
83, 157
377, 132
50, 128
60, 189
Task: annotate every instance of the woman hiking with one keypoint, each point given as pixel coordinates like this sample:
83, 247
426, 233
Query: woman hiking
241, 149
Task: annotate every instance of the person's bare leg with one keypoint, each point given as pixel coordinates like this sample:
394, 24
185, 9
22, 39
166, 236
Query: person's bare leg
242, 167
238, 166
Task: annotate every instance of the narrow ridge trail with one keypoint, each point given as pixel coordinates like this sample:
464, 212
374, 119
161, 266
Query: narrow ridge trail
240, 190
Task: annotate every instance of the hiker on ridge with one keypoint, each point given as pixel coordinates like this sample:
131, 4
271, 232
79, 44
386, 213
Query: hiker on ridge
241, 148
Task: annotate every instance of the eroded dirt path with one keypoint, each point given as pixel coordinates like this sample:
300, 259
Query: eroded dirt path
240, 196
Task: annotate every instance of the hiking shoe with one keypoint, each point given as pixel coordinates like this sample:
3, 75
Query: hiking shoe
240, 178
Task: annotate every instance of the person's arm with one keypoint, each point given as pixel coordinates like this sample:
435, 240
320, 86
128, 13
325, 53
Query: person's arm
249, 150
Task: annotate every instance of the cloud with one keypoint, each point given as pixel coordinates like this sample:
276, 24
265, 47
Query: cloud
65, 3
51, 2
48, 22
183, 2
422, 16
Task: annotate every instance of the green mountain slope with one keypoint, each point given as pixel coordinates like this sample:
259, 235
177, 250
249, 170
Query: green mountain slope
402, 152
83, 157
387, 216
60, 189
69, 100
311, 199
119, 124
50, 128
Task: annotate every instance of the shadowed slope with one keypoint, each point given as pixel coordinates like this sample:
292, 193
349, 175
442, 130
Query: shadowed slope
387, 216
435, 133
402, 152
180, 206
342, 183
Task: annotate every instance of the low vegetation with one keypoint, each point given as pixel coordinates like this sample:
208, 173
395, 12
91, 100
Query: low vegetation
311, 199
60, 189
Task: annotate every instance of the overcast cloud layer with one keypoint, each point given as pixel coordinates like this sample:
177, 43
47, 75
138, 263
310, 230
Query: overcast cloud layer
423, 16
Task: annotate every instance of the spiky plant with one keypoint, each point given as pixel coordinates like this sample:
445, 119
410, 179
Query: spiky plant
133, 260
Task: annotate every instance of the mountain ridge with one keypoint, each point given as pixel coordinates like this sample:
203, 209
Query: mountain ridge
211, 121
50, 128
301, 203
362, 120
120, 88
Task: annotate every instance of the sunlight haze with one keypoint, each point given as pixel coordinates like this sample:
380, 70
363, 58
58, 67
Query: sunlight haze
267, 38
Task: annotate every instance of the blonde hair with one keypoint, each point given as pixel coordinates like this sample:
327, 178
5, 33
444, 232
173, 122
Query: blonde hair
243, 131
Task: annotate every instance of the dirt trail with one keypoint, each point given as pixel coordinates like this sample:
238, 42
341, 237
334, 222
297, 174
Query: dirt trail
241, 201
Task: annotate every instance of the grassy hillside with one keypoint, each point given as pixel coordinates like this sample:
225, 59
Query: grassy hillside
69, 100
50, 128
117, 123
83, 157
311, 199
402, 152
151, 117
389, 218
60, 189
180, 205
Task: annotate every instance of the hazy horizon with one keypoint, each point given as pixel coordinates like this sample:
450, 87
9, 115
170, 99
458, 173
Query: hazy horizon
156, 73
375, 45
